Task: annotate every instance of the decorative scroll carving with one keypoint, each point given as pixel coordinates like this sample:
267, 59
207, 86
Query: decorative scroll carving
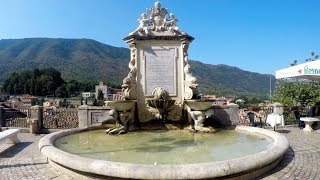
190, 87
159, 20
129, 87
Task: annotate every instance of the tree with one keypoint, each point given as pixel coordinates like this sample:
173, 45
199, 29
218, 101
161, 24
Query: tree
61, 92
95, 102
100, 98
293, 92
35, 82
100, 95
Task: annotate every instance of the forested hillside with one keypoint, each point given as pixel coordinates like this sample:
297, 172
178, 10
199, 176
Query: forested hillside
85, 59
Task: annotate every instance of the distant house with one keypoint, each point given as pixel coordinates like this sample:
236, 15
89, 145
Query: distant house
88, 94
117, 95
105, 90
240, 101
208, 97
28, 100
108, 93
220, 101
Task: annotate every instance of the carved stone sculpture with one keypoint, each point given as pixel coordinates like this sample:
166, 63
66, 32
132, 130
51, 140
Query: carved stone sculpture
157, 19
171, 23
124, 122
129, 87
143, 22
191, 85
199, 117
161, 102
160, 93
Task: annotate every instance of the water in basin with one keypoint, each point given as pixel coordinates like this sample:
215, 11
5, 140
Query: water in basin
164, 147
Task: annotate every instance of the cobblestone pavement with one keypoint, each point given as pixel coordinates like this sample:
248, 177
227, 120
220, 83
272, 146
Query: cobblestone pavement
302, 160
24, 160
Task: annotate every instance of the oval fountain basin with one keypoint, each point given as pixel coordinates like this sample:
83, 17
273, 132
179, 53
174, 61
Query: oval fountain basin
164, 147
122, 105
199, 105
119, 161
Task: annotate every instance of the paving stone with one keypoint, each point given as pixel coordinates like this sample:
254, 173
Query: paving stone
24, 160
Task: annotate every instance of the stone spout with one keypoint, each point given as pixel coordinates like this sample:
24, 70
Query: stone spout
163, 105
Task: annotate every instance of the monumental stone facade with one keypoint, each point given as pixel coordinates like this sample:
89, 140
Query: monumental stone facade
159, 59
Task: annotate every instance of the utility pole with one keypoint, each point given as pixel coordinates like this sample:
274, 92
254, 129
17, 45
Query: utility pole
270, 90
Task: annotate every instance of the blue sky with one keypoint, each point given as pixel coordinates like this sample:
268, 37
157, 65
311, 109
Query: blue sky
255, 35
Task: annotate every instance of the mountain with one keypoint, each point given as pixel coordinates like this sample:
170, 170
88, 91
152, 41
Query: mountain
86, 59
74, 58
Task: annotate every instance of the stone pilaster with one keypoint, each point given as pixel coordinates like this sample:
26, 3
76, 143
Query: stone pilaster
36, 119
83, 116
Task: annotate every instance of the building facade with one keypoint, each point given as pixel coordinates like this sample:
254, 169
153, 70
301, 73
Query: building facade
105, 90
87, 94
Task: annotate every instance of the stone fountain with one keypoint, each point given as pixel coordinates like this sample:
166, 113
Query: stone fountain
160, 81
161, 88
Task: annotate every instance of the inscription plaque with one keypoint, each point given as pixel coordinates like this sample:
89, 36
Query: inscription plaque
160, 68
98, 117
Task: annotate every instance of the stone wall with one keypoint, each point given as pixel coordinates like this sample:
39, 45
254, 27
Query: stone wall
226, 116
92, 115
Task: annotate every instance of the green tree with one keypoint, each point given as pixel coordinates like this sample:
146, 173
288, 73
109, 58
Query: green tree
35, 82
100, 98
61, 92
95, 102
293, 92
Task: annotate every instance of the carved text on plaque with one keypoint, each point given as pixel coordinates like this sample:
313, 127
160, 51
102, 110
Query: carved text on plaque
160, 68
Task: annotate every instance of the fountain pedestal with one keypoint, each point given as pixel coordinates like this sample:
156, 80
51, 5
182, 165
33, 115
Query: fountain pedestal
160, 79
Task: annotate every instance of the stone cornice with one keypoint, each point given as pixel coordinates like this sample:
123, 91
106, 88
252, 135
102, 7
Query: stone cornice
138, 37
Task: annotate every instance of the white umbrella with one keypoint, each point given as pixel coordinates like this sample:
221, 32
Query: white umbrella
309, 70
